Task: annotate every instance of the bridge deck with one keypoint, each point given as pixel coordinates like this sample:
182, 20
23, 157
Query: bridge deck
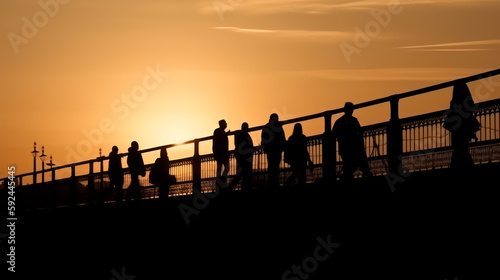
434, 225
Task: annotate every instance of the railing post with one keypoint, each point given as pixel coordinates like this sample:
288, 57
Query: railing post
73, 187
91, 184
394, 138
328, 152
196, 166
54, 188
101, 185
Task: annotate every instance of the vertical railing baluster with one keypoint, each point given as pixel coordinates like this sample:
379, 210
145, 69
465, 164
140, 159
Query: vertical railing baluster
496, 126
427, 137
414, 127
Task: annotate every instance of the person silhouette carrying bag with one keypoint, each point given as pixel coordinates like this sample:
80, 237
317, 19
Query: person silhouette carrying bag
297, 156
136, 168
463, 125
160, 174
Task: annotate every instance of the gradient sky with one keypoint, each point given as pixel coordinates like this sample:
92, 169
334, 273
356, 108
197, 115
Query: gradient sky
69, 69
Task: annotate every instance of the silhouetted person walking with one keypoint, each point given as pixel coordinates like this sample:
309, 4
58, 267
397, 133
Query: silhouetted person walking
220, 148
462, 125
160, 173
273, 139
244, 150
136, 168
297, 156
351, 147
115, 171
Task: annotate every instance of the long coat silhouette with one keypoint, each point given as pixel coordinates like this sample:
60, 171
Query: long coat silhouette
273, 139
136, 168
462, 124
297, 156
115, 171
351, 147
244, 150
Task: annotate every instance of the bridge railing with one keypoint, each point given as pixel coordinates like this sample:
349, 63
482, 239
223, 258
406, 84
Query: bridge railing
409, 144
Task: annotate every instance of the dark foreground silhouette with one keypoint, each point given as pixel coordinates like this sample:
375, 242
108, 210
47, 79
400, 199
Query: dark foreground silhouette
426, 229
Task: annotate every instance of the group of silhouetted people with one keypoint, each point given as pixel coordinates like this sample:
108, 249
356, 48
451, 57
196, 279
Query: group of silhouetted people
158, 176
459, 120
136, 167
274, 143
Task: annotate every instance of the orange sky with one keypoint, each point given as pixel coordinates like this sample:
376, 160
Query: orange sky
160, 71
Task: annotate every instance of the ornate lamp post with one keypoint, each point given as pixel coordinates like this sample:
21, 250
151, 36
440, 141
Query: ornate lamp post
51, 167
34, 153
50, 163
43, 156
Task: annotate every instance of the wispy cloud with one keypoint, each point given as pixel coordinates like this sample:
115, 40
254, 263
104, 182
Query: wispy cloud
454, 47
325, 7
287, 33
243, 30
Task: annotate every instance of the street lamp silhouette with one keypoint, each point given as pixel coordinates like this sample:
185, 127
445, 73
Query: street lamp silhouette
43, 156
34, 152
51, 167
50, 163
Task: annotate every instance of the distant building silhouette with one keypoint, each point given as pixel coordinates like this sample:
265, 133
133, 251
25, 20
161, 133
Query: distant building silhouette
136, 168
462, 125
273, 139
297, 156
220, 148
244, 150
351, 147
115, 171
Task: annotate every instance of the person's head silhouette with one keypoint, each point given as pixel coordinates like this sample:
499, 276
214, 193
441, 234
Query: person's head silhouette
244, 127
297, 129
134, 145
273, 118
461, 94
222, 124
348, 108
114, 149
